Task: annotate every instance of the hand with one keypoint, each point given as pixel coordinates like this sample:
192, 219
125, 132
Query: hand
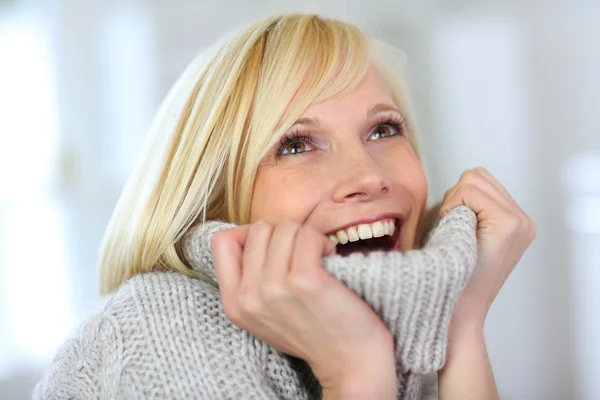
504, 232
273, 285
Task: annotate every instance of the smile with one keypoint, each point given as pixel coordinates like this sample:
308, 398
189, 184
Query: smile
382, 234
364, 231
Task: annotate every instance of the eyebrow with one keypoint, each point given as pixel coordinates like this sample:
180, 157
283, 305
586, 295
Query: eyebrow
376, 109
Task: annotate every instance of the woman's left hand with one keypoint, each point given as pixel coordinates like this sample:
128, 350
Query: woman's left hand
504, 232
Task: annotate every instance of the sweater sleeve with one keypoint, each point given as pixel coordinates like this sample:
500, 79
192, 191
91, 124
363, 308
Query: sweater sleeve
83, 368
414, 293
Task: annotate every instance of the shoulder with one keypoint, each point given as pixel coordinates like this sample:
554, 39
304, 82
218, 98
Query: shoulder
131, 342
161, 291
164, 305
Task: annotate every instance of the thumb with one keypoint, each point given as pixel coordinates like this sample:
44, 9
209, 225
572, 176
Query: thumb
329, 248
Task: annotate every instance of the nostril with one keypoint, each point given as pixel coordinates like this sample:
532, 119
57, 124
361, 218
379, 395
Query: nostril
357, 195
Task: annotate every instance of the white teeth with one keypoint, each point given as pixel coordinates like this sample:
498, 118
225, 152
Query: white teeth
378, 229
388, 227
342, 237
364, 231
353, 235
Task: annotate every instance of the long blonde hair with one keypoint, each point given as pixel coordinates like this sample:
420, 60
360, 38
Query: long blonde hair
224, 113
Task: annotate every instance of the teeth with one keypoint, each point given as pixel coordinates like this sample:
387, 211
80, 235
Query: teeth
352, 235
378, 229
342, 237
364, 231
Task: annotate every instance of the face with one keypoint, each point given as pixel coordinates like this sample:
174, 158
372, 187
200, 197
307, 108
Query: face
346, 168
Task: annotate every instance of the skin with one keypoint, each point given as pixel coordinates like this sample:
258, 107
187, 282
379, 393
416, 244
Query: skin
346, 174
270, 275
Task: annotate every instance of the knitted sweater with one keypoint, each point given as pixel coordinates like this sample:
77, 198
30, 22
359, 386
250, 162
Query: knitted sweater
163, 335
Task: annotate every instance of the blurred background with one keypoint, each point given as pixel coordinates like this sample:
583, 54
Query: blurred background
510, 85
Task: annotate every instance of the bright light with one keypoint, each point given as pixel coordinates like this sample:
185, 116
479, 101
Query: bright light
35, 315
581, 173
27, 108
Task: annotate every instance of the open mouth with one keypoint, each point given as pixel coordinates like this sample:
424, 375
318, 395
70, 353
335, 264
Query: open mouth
381, 235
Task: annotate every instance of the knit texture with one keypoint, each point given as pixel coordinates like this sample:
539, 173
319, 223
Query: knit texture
163, 335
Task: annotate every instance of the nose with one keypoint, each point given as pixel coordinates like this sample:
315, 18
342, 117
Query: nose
359, 178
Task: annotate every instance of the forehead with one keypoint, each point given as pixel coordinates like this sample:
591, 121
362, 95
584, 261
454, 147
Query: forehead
372, 89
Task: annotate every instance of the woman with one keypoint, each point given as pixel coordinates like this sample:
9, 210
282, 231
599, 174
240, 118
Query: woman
297, 132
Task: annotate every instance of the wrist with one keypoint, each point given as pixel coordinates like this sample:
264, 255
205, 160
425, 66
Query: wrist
466, 334
371, 374
364, 384
469, 313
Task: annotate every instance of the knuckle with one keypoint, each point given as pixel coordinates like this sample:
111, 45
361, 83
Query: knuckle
249, 303
469, 172
465, 175
448, 192
217, 239
531, 229
261, 227
512, 224
272, 291
305, 284
471, 176
289, 225
466, 189
231, 310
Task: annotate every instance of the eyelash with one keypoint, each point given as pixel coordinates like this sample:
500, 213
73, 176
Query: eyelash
398, 124
294, 137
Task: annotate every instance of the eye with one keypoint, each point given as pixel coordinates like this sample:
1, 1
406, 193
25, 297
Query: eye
294, 148
382, 131
388, 128
294, 144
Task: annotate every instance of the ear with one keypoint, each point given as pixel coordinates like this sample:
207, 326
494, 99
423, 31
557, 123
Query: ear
431, 217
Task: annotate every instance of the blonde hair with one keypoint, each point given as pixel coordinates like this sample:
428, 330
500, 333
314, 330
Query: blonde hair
224, 113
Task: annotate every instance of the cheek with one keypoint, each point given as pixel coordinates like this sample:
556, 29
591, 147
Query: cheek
418, 184
280, 194
407, 173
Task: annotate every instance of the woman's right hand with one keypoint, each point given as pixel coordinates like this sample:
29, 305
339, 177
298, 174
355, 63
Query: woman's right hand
274, 286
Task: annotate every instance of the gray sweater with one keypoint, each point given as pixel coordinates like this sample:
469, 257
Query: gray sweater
163, 335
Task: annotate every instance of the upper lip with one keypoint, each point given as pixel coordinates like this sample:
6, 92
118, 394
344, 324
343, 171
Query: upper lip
369, 220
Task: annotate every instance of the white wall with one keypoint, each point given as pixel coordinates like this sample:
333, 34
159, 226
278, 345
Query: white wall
510, 86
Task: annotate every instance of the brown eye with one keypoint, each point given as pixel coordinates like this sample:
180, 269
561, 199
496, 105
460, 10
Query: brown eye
295, 144
295, 148
382, 131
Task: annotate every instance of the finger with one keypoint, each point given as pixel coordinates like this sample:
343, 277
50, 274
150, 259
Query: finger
495, 183
477, 179
473, 197
279, 253
227, 251
330, 248
255, 253
492, 190
309, 248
